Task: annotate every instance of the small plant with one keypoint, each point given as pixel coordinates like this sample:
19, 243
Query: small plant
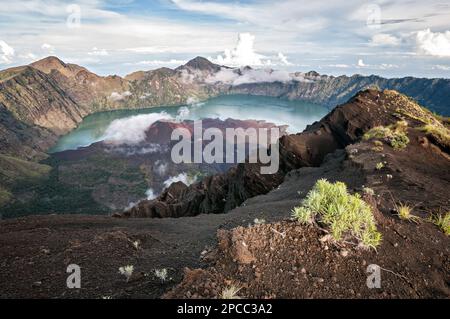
405, 212
443, 222
399, 141
395, 134
127, 271
136, 244
258, 221
368, 191
378, 146
230, 293
377, 132
379, 166
345, 214
161, 274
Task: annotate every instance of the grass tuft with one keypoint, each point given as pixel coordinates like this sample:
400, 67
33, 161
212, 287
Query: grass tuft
443, 222
405, 212
331, 205
230, 293
127, 271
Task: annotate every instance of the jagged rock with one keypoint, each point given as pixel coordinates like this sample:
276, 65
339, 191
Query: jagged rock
221, 193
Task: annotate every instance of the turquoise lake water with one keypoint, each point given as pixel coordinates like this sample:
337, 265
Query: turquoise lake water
296, 114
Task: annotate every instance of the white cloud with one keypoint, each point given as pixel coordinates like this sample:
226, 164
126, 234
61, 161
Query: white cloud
441, 67
115, 96
361, 63
183, 113
48, 47
387, 66
339, 66
282, 15
28, 56
182, 177
248, 76
150, 193
433, 43
131, 130
6, 53
160, 168
98, 52
383, 39
283, 59
244, 54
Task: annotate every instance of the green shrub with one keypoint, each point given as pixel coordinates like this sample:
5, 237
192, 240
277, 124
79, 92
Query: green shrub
345, 214
395, 134
399, 141
377, 132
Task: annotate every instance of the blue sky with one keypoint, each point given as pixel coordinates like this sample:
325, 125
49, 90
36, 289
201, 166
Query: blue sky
384, 37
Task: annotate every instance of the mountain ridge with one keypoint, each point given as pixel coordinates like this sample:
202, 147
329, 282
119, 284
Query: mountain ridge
55, 96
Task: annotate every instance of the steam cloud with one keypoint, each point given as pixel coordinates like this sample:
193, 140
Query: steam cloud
131, 130
182, 177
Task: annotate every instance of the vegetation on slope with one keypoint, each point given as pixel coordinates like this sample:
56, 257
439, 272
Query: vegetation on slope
443, 222
14, 170
395, 135
330, 204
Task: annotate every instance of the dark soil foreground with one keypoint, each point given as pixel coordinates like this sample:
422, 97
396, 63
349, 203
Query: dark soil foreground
282, 259
288, 260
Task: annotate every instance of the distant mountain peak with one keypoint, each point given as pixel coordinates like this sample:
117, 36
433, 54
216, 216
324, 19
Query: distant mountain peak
203, 64
50, 63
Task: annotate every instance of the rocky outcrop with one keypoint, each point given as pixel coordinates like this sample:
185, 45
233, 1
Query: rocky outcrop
221, 193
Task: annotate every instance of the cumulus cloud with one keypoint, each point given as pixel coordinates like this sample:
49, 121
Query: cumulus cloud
244, 54
361, 63
115, 96
182, 177
433, 43
383, 39
131, 130
6, 52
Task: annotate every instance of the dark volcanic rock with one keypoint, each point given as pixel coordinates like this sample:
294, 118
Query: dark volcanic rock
221, 193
